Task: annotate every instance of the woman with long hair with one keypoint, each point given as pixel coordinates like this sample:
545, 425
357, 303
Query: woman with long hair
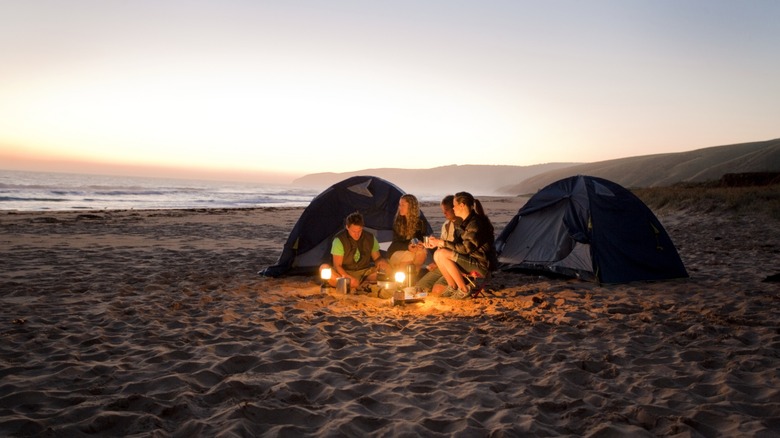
407, 227
472, 249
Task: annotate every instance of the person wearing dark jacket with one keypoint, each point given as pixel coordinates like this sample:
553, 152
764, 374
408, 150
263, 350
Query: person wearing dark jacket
472, 249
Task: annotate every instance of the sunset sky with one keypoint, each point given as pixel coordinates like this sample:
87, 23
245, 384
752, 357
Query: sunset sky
279, 89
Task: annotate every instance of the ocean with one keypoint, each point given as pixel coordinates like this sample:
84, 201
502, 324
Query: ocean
43, 191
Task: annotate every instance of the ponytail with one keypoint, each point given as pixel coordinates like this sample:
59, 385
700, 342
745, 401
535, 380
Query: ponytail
478, 208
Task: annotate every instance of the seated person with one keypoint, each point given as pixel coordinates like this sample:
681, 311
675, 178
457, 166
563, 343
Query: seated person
353, 251
432, 280
408, 226
472, 249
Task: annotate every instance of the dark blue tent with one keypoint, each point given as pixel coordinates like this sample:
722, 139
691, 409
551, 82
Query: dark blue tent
589, 228
309, 242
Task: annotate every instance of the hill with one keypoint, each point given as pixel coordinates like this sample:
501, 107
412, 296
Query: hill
478, 179
707, 164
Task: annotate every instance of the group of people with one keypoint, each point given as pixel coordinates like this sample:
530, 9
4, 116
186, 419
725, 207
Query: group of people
464, 245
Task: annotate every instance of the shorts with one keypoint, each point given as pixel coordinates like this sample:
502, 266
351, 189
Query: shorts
468, 264
361, 274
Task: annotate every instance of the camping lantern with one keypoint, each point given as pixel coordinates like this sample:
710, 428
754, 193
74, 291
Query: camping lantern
400, 278
325, 275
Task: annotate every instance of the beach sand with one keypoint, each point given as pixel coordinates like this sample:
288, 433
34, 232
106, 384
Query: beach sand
155, 323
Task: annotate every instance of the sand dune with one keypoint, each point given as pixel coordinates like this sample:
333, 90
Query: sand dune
154, 323
661, 170
658, 170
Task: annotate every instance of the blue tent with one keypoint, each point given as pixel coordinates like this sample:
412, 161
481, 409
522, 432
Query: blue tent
589, 228
309, 242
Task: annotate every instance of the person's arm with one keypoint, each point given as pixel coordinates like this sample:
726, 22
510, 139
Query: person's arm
421, 231
338, 262
468, 240
379, 262
419, 234
338, 266
376, 256
414, 247
337, 251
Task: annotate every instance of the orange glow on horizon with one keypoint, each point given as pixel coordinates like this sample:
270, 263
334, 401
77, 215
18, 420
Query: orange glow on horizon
20, 161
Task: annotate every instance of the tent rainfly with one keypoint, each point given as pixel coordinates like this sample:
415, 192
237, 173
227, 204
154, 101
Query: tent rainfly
309, 242
589, 228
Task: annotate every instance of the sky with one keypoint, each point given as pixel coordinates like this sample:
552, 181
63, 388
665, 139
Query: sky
273, 90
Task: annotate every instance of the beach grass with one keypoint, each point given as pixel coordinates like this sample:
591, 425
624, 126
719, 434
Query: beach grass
711, 198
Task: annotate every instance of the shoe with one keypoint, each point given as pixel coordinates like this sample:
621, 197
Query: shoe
449, 291
460, 295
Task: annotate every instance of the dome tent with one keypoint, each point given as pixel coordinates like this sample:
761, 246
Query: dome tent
589, 228
309, 242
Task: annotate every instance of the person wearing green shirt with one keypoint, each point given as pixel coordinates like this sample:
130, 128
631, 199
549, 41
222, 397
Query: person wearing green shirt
355, 254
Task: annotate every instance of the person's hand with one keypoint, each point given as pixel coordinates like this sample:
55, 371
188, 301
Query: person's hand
381, 264
353, 282
434, 242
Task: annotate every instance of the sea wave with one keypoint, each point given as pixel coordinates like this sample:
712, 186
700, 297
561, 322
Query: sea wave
18, 199
49, 191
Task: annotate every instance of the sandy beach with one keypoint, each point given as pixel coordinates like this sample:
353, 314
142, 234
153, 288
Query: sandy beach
155, 323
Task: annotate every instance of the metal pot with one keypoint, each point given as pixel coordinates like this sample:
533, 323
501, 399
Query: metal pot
342, 285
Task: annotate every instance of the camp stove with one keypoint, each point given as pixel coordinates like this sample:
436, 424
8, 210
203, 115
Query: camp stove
408, 295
